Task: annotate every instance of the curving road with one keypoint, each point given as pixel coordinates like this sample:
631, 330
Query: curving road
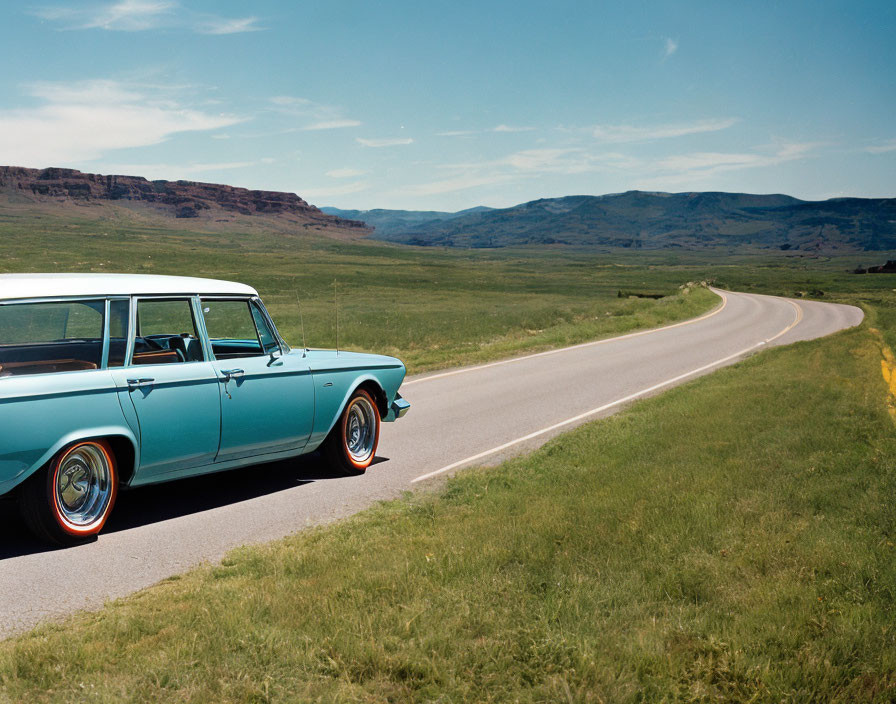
472, 415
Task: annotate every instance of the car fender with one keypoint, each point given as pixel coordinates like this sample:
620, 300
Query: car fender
79, 435
328, 410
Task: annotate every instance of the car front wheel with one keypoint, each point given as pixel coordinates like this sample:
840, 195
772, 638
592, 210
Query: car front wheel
69, 501
351, 445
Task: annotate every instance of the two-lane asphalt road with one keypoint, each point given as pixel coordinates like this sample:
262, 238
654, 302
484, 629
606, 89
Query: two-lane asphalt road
474, 415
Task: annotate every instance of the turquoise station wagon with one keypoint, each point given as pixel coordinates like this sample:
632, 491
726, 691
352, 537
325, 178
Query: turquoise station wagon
117, 380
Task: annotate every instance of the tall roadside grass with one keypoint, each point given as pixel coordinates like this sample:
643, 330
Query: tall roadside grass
729, 541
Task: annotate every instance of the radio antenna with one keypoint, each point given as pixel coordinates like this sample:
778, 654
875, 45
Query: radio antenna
302, 321
336, 306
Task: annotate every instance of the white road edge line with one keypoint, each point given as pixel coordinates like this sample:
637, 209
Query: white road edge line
631, 397
714, 311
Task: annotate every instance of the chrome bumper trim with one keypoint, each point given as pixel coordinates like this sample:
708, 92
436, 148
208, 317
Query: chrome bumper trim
398, 410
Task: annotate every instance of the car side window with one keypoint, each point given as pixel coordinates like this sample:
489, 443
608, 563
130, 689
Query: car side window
49, 337
234, 329
166, 332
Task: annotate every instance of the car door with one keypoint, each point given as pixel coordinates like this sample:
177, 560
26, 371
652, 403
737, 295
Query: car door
267, 397
172, 386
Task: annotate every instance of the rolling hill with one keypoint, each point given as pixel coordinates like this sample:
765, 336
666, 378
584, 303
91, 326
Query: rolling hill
638, 219
389, 221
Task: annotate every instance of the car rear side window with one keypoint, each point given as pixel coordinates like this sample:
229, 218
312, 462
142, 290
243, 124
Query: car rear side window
48, 337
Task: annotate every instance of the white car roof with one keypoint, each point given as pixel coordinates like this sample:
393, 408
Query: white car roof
63, 285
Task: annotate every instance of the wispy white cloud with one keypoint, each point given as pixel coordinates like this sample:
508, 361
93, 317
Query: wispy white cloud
174, 172
222, 25
451, 185
83, 121
98, 92
529, 164
332, 124
219, 166
670, 46
888, 146
534, 162
345, 173
456, 133
333, 191
562, 161
634, 133
694, 168
509, 128
387, 142
124, 16
518, 166
290, 101
317, 116
713, 162
698, 161
143, 15
498, 128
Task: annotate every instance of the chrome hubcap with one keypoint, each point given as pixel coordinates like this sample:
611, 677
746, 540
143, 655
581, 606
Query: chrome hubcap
360, 430
83, 485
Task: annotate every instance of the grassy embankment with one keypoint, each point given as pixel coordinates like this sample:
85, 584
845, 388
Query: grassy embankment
731, 540
432, 308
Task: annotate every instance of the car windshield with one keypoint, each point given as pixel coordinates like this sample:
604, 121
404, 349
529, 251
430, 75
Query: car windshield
39, 338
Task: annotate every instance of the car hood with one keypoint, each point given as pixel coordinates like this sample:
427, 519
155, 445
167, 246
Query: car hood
333, 359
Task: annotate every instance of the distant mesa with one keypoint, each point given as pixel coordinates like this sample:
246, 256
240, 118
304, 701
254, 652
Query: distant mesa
178, 199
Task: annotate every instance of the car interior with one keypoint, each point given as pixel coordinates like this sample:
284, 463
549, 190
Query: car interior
157, 342
167, 348
48, 357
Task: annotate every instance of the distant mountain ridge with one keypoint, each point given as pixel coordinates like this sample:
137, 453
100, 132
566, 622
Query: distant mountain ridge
210, 202
651, 220
385, 220
634, 219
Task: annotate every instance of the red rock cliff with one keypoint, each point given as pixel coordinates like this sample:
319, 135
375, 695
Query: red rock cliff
183, 199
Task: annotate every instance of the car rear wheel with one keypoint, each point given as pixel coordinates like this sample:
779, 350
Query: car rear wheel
69, 501
351, 445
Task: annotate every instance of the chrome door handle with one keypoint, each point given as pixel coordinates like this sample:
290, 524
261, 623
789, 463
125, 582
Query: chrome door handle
232, 373
136, 383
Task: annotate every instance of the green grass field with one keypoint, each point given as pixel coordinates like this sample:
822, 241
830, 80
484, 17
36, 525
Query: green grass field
731, 540
433, 308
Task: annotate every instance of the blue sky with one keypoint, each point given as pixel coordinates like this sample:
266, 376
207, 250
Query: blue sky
447, 105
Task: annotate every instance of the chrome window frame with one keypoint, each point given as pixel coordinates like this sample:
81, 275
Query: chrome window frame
107, 339
256, 300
